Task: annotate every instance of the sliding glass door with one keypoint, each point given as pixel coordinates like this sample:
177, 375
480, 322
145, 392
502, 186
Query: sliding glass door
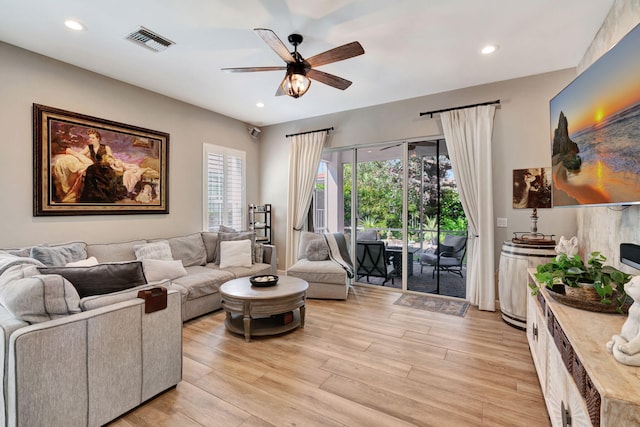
399, 202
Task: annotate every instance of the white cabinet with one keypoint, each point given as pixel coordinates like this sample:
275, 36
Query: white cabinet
583, 385
538, 337
564, 402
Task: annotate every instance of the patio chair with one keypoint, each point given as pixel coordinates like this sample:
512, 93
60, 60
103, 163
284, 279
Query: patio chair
372, 260
448, 256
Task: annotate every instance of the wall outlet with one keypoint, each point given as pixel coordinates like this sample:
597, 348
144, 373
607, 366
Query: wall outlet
502, 222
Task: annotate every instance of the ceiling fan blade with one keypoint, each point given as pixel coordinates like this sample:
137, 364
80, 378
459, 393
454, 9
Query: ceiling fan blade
391, 146
275, 43
329, 79
252, 69
280, 91
339, 53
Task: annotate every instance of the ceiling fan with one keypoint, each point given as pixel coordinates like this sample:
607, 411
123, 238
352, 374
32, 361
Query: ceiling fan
412, 145
300, 71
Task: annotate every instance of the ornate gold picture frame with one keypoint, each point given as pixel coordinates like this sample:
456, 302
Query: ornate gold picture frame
85, 165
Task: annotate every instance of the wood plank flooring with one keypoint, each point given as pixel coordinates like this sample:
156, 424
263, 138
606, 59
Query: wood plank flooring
360, 362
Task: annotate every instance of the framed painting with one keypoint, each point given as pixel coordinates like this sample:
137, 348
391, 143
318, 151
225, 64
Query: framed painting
532, 188
84, 165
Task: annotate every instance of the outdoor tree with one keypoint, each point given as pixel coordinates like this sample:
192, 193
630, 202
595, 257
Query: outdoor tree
379, 189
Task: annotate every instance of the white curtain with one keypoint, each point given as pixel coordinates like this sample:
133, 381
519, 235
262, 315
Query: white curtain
304, 157
468, 134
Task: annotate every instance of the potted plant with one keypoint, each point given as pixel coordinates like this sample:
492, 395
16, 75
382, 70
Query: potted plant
567, 273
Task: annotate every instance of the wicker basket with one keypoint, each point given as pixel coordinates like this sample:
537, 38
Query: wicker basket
586, 298
582, 292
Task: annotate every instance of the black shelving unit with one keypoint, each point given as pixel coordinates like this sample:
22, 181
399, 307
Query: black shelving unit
260, 222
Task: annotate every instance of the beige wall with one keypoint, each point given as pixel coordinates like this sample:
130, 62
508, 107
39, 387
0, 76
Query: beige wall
603, 229
521, 139
27, 78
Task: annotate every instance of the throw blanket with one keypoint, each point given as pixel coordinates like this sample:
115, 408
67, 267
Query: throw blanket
338, 251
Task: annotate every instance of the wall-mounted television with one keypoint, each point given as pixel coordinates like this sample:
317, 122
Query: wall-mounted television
595, 131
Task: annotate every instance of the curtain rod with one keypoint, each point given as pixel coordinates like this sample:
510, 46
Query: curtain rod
311, 131
431, 113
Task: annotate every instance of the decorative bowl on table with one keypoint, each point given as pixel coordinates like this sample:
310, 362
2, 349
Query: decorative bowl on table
264, 280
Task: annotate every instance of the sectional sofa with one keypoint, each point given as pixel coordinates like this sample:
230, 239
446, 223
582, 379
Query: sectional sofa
79, 349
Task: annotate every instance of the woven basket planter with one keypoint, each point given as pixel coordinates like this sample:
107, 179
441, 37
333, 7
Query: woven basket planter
586, 298
583, 292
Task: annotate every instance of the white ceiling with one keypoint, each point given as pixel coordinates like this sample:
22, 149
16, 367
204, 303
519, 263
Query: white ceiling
413, 47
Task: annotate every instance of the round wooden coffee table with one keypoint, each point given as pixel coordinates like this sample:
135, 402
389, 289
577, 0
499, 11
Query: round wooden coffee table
259, 311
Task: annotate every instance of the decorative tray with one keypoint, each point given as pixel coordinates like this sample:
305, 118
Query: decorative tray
264, 280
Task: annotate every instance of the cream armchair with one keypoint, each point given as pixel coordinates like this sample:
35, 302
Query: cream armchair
326, 278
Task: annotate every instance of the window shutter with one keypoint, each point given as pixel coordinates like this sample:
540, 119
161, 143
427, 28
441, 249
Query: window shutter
224, 188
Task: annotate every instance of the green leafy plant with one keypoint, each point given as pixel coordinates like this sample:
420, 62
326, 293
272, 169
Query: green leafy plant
572, 271
368, 222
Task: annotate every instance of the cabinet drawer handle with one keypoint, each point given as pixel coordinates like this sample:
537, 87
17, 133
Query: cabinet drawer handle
566, 415
535, 331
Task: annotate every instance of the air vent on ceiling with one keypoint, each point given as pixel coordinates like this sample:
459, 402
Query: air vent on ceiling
147, 38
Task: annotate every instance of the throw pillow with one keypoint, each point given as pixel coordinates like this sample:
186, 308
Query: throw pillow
305, 238
102, 278
57, 256
225, 229
189, 249
211, 244
40, 298
156, 269
156, 250
83, 262
243, 235
235, 253
258, 252
23, 252
317, 250
114, 252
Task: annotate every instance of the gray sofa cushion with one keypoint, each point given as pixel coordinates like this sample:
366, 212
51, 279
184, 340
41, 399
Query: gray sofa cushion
40, 298
188, 249
114, 252
327, 272
254, 270
317, 250
102, 278
57, 256
96, 301
201, 281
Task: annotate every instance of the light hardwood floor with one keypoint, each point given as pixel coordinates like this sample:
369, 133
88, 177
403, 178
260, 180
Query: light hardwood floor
360, 362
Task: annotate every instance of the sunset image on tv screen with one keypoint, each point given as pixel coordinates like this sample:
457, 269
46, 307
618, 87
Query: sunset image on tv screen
595, 131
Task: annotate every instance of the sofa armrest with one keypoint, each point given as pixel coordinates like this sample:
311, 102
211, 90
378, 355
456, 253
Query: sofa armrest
270, 256
91, 367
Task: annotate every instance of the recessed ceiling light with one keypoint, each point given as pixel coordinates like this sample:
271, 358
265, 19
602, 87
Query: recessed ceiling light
260, 104
489, 49
74, 25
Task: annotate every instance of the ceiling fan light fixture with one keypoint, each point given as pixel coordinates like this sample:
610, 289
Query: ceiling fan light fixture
296, 84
